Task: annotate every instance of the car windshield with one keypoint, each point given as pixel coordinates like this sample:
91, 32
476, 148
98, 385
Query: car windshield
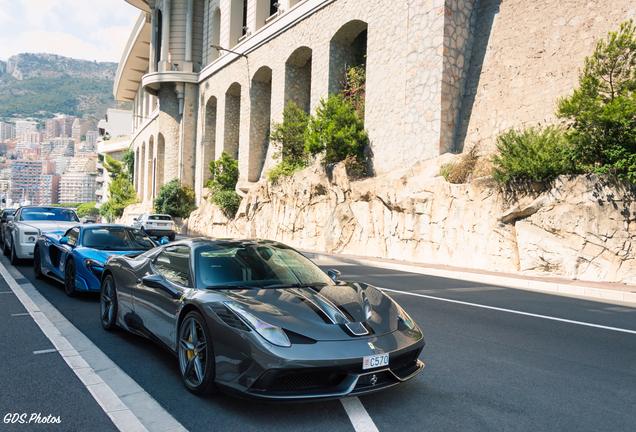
48, 214
116, 239
255, 265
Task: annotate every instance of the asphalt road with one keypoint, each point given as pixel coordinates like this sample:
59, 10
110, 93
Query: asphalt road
486, 369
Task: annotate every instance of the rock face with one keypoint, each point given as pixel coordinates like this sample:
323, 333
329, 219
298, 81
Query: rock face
579, 229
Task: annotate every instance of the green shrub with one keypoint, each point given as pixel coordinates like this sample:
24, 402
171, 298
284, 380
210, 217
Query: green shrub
289, 136
284, 169
336, 130
355, 88
175, 199
602, 110
532, 155
224, 175
227, 200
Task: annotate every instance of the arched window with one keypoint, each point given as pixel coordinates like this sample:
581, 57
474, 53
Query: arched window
260, 119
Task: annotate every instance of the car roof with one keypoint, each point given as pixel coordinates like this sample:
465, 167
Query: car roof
203, 241
45, 207
104, 225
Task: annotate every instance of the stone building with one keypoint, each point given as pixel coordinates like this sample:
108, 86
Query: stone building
208, 76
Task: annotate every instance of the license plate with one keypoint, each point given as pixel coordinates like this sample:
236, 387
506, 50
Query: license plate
375, 361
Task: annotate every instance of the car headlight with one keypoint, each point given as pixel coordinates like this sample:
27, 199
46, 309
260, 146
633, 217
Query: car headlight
406, 320
30, 236
271, 333
94, 266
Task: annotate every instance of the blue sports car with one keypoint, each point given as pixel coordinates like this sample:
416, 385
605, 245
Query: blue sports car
77, 257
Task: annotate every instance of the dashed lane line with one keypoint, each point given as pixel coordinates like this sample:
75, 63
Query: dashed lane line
513, 311
358, 415
139, 414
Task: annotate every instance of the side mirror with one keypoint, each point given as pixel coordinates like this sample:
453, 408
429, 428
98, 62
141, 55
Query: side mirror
10, 218
333, 274
64, 240
157, 282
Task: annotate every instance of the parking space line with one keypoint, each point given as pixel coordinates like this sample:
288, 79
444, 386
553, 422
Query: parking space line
20, 314
6, 292
62, 335
45, 351
513, 311
358, 415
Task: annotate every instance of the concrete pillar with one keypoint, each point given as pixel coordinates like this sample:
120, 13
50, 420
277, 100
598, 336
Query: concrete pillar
165, 35
188, 38
152, 67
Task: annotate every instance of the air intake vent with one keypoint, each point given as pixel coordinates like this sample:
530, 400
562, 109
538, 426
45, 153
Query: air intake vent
229, 317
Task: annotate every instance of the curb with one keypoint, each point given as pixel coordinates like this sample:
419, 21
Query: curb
550, 287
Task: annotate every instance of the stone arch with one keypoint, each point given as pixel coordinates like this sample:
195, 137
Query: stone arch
208, 144
142, 173
160, 163
348, 47
232, 123
136, 170
260, 119
150, 169
298, 78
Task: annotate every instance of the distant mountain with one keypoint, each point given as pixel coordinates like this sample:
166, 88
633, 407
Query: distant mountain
41, 85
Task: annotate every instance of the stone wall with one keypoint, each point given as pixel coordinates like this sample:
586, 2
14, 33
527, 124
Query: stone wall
581, 228
525, 55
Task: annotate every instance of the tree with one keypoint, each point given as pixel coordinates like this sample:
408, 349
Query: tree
175, 199
128, 160
121, 194
602, 110
289, 136
87, 209
114, 167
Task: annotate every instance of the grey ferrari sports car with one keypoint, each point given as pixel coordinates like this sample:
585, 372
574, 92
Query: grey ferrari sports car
260, 319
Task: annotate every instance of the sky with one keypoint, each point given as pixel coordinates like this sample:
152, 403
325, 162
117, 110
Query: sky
83, 29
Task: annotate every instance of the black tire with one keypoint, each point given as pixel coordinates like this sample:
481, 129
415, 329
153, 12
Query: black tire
199, 382
172, 237
37, 263
69, 278
13, 257
108, 304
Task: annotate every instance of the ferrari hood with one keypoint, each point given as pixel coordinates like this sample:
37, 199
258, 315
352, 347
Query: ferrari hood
50, 226
332, 312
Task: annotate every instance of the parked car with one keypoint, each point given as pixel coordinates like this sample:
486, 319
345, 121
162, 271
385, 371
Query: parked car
260, 319
77, 257
5, 215
156, 225
28, 223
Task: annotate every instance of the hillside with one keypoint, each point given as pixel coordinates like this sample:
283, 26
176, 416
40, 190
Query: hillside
41, 85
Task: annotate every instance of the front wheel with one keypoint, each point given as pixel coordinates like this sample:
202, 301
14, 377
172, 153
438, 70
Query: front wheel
14, 255
196, 356
69, 278
108, 304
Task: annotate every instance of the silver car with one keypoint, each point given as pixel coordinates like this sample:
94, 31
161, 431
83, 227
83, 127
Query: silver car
28, 223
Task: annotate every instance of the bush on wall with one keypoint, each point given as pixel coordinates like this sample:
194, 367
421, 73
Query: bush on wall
289, 137
175, 199
602, 110
224, 174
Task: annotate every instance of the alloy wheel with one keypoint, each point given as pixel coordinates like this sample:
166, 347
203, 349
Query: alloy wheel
69, 279
108, 304
192, 352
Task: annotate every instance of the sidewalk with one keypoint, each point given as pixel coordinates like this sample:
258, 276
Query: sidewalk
606, 291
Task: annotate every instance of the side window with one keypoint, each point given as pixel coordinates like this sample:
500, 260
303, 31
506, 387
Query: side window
73, 235
173, 263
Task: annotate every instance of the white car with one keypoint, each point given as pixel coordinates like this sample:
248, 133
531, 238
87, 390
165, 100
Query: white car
156, 225
28, 223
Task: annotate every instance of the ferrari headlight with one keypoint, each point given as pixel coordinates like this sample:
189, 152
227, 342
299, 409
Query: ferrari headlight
271, 333
406, 320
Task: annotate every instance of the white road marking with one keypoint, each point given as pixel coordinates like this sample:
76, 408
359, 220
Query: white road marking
6, 292
128, 405
45, 351
358, 415
21, 314
547, 317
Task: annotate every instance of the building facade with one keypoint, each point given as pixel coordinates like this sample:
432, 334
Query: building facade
212, 76
30, 183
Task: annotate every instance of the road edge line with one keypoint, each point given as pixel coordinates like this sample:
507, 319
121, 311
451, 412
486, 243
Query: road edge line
120, 413
572, 290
